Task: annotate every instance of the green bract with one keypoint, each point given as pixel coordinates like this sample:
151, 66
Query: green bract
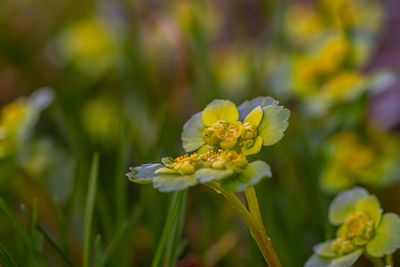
244, 129
228, 167
362, 229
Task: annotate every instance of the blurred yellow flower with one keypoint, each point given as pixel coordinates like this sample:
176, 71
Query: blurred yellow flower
88, 43
13, 117
307, 26
352, 162
344, 85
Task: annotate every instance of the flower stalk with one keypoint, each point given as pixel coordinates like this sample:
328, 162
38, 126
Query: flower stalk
253, 220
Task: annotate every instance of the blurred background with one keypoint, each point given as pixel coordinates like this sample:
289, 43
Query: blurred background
121, 78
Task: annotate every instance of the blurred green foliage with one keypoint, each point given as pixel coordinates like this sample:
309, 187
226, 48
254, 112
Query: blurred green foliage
126, 75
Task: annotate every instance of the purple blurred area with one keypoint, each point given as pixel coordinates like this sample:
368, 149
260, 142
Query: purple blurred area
385, 106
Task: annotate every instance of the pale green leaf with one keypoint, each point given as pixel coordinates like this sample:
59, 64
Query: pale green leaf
273, 124
192, 134
387, 236
251, 175
345, 203
172, 182
143, 174
206, 175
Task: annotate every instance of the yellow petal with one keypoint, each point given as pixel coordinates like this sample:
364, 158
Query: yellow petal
220, 110
255, 116
255, 148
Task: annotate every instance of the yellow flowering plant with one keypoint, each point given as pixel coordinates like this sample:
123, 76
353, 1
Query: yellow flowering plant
220, 138
363, 229
351, 161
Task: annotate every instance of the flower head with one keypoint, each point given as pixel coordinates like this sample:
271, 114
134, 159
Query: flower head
228, 167
352, 161
362, 229
244, 129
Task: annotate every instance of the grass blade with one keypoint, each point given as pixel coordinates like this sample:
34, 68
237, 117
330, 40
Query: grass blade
89, 208
63, 255
99, 252
33, 232
15, 222
169, 227
171, 254
5, 259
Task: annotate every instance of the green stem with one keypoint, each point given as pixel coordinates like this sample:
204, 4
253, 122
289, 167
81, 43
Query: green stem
389, 260
375, 261
253, 221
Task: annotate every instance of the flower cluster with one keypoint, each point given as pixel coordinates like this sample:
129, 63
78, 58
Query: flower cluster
373, 162
363, 229
220, 137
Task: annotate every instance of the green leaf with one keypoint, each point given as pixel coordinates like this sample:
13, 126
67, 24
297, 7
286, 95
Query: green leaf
343, 261
171, 182
192, 134
247, 106
255, 148
348, 259
371, 207
325, 249
345, 203
254, 116
387, 236
273, 124
220, 110
89, 208
206, 175
143, 174
251, 175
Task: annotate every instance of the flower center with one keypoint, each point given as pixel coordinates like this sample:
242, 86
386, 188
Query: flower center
186, 164
356, 231
223, 159
228, 134
359, 225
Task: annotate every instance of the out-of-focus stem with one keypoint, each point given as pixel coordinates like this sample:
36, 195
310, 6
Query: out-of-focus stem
389, 260
253, 221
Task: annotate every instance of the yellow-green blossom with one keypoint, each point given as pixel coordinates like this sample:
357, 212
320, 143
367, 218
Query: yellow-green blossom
362, 229
244, 129
231, 169
352, 162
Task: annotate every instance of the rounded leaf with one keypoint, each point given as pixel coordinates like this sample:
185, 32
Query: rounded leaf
273, 124
387, 236
254, 116
247, 106
143, 174
345, 203
251, 175
220, 110
172, 182
206, 175
192, 135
